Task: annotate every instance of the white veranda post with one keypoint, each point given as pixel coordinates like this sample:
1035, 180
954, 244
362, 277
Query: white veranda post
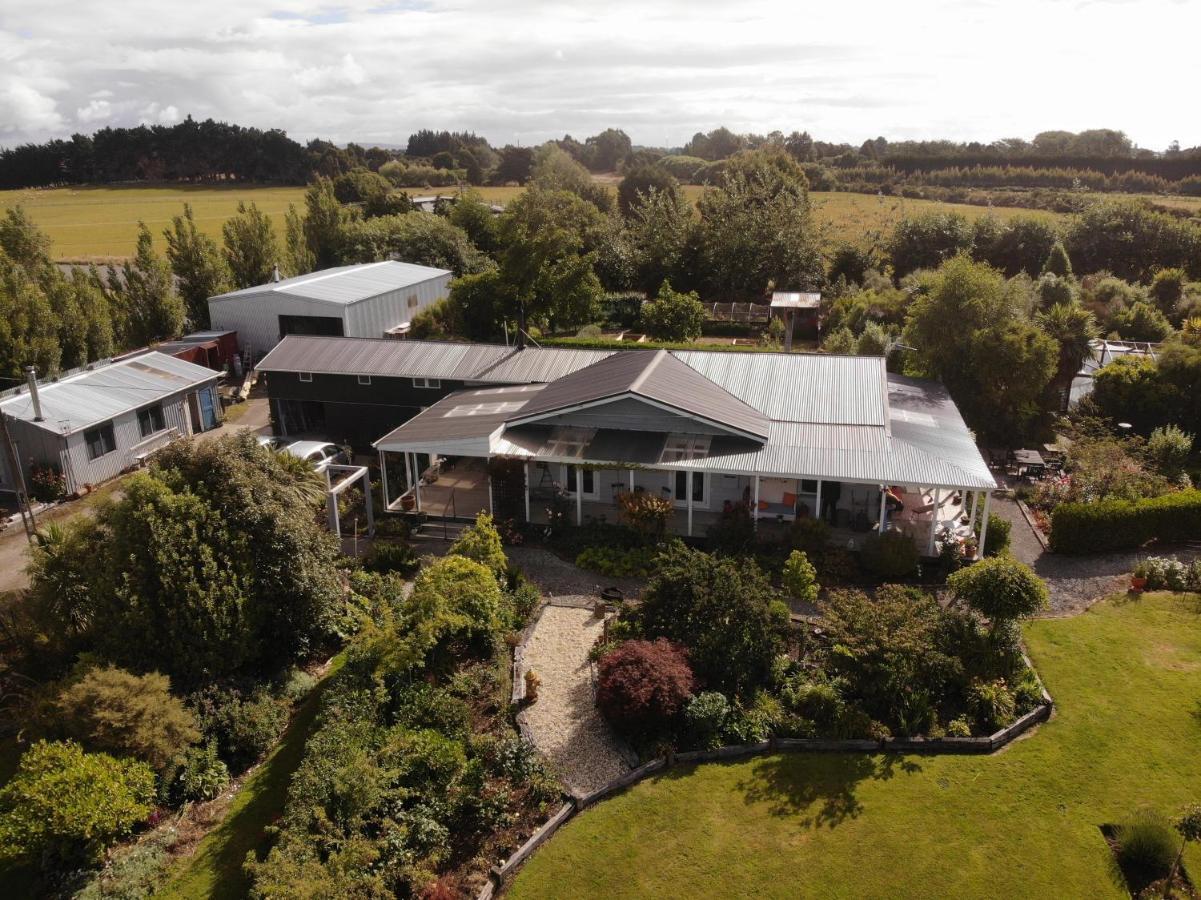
933, 523
383, 479
817, 513
984, 526
579, 496
416, 483
525, 477
690, 503
883, 505
755, 510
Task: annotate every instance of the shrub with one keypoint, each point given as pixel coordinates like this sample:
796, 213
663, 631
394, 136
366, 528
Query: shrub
999, 588
134, 871
1107, 525
959, 727
673, 315
645, 512
996, 540
523, 599
115, 711
800, 578
637, 562
1168, 449
1146, 848
243, 726
891, 556
464, 588
754, 722
65, 804
723, 610
385, 557
991, 704
1166, 573
203, 776
481, 542
809, 535
705, 719
816, 699
47, 484
643, 685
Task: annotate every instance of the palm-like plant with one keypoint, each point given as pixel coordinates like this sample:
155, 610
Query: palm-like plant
304, 484
1073, 327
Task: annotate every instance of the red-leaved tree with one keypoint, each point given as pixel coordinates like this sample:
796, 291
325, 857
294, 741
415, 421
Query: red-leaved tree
644, 684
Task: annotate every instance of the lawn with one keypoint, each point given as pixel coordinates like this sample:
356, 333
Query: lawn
1126, 677
101, 223
215, 869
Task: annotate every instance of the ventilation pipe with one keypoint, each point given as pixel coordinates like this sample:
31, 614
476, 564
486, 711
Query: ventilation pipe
31, 377
275, 273
520, 326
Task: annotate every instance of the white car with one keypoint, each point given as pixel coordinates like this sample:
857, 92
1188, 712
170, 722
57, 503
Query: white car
270, 441
319, 453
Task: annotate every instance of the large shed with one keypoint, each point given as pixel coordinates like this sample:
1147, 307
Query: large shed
374, 300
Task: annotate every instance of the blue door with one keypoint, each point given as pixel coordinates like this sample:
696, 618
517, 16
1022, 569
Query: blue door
208, 408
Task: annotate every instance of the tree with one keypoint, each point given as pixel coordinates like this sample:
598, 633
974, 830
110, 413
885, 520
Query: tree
1132, 241
927, 241
721, 609
1058, 263
251, 250
800, 578
999, 588
199, 269
146, 292
117, 712
673, 315
414, 237
1019, 245
360, 185
1074, 329
1133, 389
516, 165
604, 152
1142, 322
556, 170
1054, 291
28, 326
467, 594
643, 685
546, 264
481, 542
64, 806
661, 231
323, 224
1167, 290
480, 307
298, 258
642, 182
475, 217
1188, 826
995, 366
756, 231
1168, 449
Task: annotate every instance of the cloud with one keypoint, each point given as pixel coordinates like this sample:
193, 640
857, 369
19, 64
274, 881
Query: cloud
515, 70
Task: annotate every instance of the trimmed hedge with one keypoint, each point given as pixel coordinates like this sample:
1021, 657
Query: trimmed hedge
1125, 524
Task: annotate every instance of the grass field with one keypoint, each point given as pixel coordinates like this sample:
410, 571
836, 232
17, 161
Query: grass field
101, 223
1126, 678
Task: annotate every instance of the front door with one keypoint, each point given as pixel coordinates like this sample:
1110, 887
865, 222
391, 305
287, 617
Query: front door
574, 476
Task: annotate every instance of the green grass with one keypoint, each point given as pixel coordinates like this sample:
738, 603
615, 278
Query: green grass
215, 869
101, 223
1126, 677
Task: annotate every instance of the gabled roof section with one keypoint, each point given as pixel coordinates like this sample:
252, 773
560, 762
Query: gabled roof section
657, 378
344, 285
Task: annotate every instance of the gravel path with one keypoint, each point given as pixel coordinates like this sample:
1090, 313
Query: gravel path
559, 578
1074, 582
564, 722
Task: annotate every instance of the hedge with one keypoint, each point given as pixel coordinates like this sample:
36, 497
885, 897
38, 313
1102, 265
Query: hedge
1125, 524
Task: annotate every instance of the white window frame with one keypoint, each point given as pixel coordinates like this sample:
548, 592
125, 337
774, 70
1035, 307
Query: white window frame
305, 376
682, 503
431, 384
364, 380
564, 470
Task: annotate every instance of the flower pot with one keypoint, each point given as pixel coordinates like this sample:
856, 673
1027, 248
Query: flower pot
407, 502
1137, 583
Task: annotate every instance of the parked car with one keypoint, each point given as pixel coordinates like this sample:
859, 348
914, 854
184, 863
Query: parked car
319, 453
271, 442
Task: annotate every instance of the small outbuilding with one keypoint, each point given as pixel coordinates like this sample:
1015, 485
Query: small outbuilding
796, 308
377, 300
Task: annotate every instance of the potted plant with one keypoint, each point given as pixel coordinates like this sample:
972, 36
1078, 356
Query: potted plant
1138, 578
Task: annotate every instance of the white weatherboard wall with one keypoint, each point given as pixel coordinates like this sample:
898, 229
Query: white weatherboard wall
255, 315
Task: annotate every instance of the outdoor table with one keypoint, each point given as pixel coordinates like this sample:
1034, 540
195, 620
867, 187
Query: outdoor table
1028, 458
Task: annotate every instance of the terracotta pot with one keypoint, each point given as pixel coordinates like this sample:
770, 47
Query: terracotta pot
407, 503
1137, 583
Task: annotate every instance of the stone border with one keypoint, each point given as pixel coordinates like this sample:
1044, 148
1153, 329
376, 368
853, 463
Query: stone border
1029, 517
498, 876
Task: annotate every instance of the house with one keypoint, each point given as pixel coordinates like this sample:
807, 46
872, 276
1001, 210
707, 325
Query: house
352, 390
96, 422
368, 300
788, 435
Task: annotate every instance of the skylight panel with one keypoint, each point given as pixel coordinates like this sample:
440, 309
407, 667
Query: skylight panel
683, 447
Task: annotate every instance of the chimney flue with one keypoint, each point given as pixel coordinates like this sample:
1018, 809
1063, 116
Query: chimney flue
275, 273
521, 326
31, 377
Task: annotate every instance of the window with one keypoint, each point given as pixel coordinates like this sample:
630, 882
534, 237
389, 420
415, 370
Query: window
808, 486
364, 379
412, 301
680, 488
576, 475
306, 376
100, 440
680, 447
431, 383
150, 420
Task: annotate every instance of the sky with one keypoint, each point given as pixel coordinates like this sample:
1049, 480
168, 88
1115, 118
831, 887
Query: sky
524, 72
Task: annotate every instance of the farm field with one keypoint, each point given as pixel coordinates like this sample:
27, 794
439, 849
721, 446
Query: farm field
1022, 822
100, 223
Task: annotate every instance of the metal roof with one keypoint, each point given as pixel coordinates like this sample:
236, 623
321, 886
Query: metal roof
465, 421
97, 395
658, 377
795, 300
385, 357
800, 387
344, 284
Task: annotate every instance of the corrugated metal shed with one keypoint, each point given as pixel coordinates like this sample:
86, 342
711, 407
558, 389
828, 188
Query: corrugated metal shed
85, 398
344, 284
795, 300
800, 387
383, 357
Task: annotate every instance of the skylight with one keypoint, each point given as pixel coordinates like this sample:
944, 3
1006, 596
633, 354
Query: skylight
568, 443
681, 447
482, 409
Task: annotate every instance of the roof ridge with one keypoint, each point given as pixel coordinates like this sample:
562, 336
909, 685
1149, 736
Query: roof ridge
329, 273
642, 376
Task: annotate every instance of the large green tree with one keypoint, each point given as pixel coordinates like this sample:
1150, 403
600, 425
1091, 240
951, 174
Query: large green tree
324, 223
415, 237
1073, 328
145, 290
251, 249
199, 268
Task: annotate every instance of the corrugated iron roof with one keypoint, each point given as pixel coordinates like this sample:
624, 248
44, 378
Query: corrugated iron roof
658, 377
800, 387
795, 300
85, 398
345, 284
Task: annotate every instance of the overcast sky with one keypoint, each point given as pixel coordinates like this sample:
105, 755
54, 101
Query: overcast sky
522, 72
